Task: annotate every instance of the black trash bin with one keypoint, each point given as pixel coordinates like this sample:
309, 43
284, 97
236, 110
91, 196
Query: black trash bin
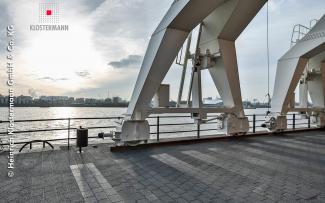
82, 137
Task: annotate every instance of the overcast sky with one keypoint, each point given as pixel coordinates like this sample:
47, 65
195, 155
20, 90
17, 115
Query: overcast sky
104, 47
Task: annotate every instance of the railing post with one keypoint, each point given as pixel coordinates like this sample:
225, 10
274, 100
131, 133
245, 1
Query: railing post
198, 130
308, 121
294, 121
254, 123
69, 134
157, 128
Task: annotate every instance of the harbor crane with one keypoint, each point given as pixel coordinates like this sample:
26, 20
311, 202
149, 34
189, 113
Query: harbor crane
220, 23
303, 66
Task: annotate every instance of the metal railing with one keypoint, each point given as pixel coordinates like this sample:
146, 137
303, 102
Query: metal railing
298, 32
68, 128
155, 123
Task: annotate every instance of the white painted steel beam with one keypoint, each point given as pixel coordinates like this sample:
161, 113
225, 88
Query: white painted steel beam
302, 63
292, 66
182, 17
222, 23
203, 110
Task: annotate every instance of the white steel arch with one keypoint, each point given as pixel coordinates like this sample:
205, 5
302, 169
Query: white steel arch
222, 21
304, 63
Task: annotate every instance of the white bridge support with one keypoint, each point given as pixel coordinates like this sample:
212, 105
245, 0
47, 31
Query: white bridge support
303, 64
222, 23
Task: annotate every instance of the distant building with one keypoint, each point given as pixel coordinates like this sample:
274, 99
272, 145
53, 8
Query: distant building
24, 100
172, 104
36, 101
47, 101
54, 98
2, 99
108, 100
117, 100
100, 101
6, 100
80, 100
58, 100
90, 101
44, 98
211, 101
71, 100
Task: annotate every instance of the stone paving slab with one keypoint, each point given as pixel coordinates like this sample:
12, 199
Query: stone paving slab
283, 168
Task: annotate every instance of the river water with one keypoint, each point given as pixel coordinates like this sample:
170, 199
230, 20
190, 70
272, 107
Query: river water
23, 113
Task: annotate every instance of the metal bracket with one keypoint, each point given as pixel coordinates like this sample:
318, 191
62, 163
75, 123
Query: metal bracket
31, 142
1, 145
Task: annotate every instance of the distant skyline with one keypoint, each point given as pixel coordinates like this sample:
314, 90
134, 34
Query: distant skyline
63, 96
107, 39
66, 97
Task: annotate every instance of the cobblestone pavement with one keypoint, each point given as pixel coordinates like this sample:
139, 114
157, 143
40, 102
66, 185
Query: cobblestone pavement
283, 168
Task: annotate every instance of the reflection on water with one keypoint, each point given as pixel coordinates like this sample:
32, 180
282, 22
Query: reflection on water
64, 112
31, 113
60, 112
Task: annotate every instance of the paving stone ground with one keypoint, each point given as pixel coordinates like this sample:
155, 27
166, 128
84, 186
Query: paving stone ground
282, 168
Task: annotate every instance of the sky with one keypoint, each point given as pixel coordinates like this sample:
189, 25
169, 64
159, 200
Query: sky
101, 54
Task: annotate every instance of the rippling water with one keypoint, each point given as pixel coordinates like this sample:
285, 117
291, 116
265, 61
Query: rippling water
82, 112
31, 113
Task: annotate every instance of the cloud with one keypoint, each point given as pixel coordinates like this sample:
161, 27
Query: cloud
83, 6
116, 32
90, 6
131, 61
83, 74
52, 79
108, 31
4, 22
120, 84
124, 27
32, 92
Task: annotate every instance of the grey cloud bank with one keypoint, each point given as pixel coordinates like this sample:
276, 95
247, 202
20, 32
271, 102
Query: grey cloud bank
131, 61
83, 74
121, 29
52, 79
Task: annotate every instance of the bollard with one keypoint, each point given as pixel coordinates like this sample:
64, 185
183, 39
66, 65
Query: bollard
82, 138
69, 134
198, 130
157, 128
254, 123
